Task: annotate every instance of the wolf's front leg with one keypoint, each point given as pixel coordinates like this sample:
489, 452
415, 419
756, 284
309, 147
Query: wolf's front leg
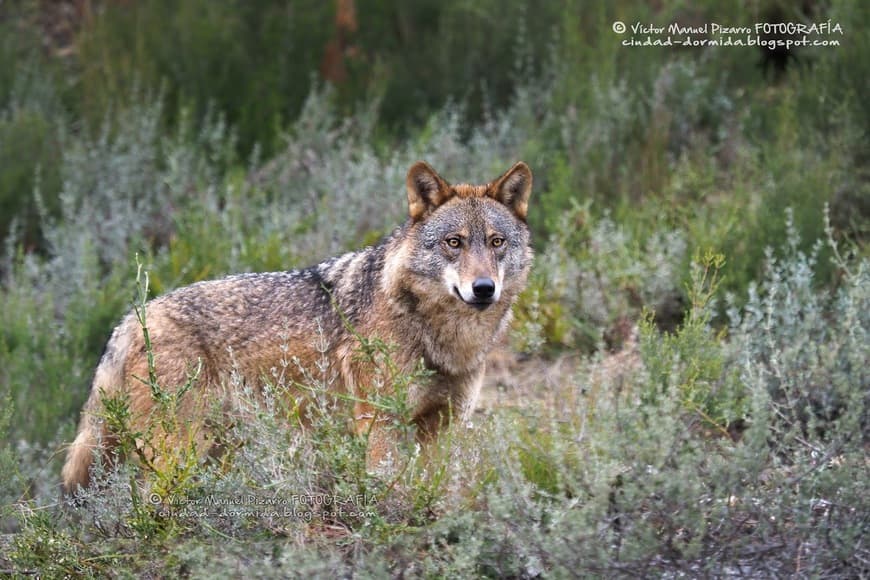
383, 431
452, 401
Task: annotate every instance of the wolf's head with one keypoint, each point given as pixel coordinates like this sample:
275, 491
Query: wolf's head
470, 242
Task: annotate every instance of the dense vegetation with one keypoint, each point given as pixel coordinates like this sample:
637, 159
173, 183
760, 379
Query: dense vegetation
688, 388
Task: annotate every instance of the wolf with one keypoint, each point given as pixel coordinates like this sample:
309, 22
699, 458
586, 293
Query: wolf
439, 289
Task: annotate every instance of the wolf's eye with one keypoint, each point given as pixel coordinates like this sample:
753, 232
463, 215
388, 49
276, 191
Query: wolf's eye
497, 242
453, 242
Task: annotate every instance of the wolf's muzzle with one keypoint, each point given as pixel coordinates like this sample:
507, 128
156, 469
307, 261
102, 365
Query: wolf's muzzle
483, 288
482, 293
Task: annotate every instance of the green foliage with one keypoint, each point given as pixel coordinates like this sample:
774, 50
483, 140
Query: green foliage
10, 486
29, 154
627, 474
32, 125
165, 448
595, 274
724, 431
691, 361
809, 349
251, 60
68, 348
44, 548
254, 60
414, 69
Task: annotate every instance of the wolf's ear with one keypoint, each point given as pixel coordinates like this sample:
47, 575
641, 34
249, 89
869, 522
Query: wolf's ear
513, 189
426, 190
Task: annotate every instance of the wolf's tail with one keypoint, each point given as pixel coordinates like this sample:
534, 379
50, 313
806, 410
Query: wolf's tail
77, 469
92, 434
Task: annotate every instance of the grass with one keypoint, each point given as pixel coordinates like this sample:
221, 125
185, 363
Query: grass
685, 389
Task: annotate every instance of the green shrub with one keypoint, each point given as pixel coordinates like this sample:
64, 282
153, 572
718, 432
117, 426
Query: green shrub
727, 445
251, 60
52, 347
634, 469
11, 485
595, 276
691, 361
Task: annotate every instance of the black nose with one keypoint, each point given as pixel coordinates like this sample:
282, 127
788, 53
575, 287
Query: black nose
483, 288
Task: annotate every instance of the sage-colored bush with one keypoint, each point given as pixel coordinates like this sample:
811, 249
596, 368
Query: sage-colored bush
688, 389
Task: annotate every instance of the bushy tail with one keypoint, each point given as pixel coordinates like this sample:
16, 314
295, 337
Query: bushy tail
92, 433
77, 469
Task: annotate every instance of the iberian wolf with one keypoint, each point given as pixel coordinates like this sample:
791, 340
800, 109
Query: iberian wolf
439, 289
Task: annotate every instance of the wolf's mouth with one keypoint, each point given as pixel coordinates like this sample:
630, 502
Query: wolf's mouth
478, 303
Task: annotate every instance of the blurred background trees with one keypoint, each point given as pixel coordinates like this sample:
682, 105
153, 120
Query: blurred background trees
65, 65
